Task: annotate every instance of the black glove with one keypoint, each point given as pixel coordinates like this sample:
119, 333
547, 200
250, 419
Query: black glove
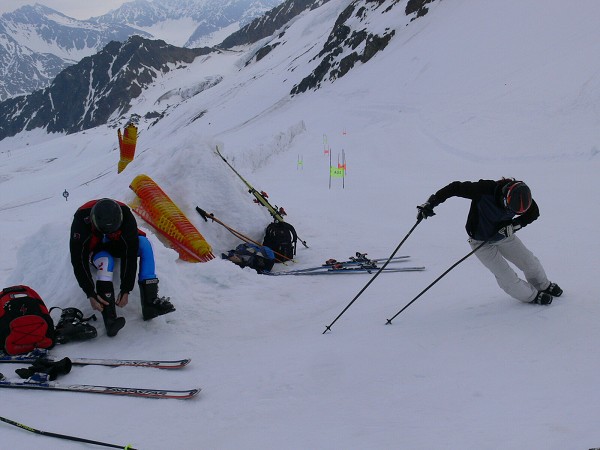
510, 229
52, 368
425, 211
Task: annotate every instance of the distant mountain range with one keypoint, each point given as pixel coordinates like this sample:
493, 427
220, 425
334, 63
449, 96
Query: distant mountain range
101, 87
37, 42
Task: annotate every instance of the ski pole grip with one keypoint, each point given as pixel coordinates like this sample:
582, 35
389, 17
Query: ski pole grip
202, 213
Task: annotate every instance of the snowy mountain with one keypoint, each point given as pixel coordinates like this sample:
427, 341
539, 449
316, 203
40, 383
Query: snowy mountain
193, 21
37, 42
469, 90
96, 89
267, 24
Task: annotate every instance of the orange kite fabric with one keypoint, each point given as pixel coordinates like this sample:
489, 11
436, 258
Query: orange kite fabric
127, 141
156, 208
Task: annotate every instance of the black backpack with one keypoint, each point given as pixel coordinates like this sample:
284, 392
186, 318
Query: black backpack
25, 322
281, 237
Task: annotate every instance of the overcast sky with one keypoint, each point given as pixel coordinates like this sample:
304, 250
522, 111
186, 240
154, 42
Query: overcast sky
79, 9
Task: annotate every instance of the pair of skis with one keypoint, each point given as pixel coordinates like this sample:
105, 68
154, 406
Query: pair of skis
348, 270
354, 265
31, 357
41, 384
260, 197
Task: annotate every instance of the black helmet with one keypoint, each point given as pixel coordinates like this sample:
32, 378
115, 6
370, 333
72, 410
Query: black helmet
106, 215
516, 196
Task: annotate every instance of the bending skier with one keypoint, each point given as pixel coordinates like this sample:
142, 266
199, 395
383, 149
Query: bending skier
491, 219
103, 230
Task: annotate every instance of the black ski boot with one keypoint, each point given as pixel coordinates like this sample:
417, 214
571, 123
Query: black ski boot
72, 326
543, 298
112, 323
554, 290
153, 305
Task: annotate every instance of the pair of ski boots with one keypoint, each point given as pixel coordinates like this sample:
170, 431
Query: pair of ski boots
546, 296
152, 305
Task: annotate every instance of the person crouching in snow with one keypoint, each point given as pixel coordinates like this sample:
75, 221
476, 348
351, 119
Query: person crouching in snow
491, 223
103, 230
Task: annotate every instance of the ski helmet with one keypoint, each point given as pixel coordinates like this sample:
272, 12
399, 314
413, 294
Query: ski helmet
106, 215
516, 196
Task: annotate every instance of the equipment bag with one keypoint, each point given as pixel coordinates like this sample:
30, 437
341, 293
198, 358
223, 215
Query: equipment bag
256, 257
281, 237
25, 323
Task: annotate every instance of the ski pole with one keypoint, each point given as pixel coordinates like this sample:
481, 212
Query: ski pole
233, 231
63, 436
236, 233
328, 328
389, 321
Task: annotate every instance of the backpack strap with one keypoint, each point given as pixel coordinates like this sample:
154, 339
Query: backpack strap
292, 230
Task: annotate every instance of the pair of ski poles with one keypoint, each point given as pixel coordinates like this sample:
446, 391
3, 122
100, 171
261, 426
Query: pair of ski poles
389, 321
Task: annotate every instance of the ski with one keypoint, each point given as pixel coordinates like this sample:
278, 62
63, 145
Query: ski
357, 261
98, 389
260, 197
332, 264
362, 257
31, 357
348, 270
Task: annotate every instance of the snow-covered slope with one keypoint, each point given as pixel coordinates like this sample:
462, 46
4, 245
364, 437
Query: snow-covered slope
471, 90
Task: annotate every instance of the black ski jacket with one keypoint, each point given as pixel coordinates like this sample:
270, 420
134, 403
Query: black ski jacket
487, 213
86, 241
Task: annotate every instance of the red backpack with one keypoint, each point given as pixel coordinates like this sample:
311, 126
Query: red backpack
25, 322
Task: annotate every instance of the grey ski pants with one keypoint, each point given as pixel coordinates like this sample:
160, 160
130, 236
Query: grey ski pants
496, 255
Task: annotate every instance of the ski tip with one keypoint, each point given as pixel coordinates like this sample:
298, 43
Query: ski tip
178, 364
176, 395
194, 392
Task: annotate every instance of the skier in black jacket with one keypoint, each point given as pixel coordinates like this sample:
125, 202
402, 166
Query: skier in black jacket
491, 219
103, 230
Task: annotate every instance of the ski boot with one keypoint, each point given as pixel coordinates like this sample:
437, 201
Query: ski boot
554, 290
153, 305
113, 324
72, 326
542, 298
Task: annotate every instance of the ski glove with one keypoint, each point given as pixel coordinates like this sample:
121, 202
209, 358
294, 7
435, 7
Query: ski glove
122, 299
425, 211
509, 230
52, 368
